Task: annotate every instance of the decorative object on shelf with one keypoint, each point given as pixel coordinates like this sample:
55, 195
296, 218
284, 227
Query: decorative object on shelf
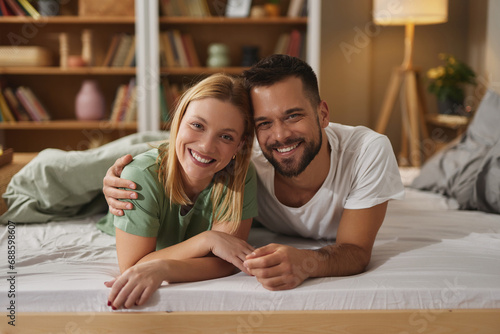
87, 47
63, 50
218, 55
89, 103
405, 79
106, 8
76, 61
273, 8
257, 12
48, 7
250, 55
447, 83
238, 8
25, 56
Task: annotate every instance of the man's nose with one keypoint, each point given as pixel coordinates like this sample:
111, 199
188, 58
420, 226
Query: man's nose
281, 131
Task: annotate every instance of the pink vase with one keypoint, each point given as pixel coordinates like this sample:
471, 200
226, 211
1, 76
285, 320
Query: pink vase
89, 103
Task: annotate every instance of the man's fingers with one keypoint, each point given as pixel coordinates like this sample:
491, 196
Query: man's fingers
112, 181
262, 251
120, 163
265, 261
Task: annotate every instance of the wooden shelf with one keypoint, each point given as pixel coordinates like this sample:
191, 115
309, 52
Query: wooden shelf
69, 125
201, 70
54, 70
283, 20
69, 20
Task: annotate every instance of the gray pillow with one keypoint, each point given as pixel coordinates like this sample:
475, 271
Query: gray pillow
58, 185
469, 170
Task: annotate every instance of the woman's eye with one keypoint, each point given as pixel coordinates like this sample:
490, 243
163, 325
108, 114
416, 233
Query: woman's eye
227, 137
196, 125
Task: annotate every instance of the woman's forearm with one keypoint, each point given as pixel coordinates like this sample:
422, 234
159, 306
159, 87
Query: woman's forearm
194, 247
196, 269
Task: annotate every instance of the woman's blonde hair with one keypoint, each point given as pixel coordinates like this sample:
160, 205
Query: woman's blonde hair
228, 209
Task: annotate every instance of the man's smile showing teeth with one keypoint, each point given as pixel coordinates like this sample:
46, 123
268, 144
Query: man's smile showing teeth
287, 149
199, 158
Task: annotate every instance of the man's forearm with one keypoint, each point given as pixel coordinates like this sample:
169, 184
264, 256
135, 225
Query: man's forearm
336, 260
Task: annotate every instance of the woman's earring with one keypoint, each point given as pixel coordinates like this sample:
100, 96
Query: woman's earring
234, 156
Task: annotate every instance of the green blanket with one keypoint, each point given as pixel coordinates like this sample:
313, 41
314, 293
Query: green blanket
61, 185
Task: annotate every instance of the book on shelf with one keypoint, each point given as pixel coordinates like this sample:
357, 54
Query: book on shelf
124, 108
4, 9
170, 94
292, 44
28, 8
14, 105
15, 8
121, 51
31, 104
297, 8
5, 112
192, 8
177, 49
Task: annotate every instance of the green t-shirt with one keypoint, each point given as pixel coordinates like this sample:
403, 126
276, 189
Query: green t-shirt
153, 216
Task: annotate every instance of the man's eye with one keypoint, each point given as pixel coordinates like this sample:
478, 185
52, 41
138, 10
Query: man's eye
263, 125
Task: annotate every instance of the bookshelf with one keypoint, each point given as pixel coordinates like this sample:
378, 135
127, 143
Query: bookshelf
57, 87
234, 32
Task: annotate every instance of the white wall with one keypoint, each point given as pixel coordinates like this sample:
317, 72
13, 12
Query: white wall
493, 45
357, 57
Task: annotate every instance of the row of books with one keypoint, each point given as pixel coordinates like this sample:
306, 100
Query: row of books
293, 44
18, 8
121, 51
297, 8
169, 96
177, 50
21, 104
124, 108
194, 8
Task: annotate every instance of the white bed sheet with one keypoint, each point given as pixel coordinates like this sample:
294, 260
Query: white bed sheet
427, 255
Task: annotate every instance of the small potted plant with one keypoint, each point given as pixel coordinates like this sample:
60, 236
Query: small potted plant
447, 83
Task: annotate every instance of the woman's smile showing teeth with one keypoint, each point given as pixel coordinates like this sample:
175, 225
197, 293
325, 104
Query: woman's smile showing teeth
287, 149
199, 158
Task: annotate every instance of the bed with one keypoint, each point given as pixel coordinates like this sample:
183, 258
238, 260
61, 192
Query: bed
435, 266
434, 269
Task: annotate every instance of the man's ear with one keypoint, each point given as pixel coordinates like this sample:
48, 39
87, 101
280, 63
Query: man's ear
323, 114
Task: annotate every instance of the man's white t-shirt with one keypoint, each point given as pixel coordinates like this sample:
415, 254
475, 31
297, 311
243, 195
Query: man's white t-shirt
363, 173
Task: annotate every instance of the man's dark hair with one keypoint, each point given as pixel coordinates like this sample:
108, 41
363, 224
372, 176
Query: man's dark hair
275, 68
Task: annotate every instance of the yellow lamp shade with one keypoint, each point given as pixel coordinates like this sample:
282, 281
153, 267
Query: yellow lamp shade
401, 12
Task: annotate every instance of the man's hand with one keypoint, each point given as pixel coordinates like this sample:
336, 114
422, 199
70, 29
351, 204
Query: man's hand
229, 248
112, 182
280, 267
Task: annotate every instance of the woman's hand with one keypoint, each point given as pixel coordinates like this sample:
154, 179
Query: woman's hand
229, 248
136, 284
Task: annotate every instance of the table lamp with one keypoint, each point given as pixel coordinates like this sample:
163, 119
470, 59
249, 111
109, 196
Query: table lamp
405, 79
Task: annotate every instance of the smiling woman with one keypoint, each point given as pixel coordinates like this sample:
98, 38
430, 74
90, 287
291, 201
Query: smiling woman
196, 196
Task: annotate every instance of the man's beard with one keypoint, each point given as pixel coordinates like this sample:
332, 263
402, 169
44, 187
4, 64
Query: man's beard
287, 167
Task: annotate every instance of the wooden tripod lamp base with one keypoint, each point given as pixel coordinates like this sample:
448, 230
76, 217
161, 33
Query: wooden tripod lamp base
406, 83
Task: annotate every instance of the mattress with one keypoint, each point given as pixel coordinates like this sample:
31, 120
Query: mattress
427, 255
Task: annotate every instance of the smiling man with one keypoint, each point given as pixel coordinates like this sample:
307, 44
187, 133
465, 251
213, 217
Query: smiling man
316, 179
